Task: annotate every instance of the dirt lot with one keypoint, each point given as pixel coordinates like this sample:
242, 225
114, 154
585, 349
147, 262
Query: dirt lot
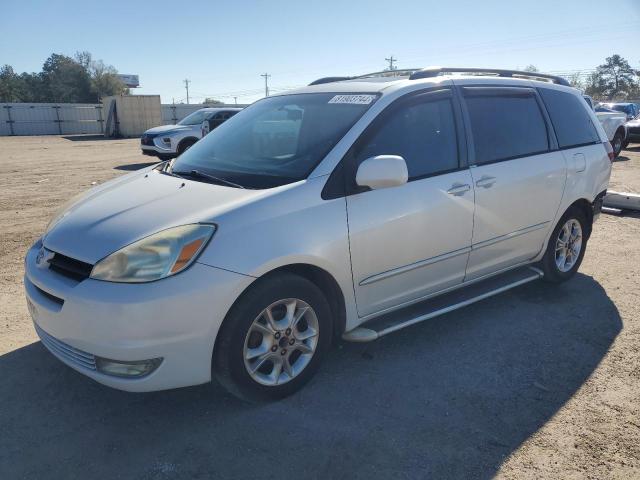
540, 382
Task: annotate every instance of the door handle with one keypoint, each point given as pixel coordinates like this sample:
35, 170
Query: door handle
459, 189
486, 182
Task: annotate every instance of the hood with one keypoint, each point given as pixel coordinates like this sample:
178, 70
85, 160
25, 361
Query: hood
129, 208
170, 128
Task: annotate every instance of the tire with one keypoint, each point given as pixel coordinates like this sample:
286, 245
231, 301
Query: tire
617, 143
185, 145
246, 330
552, 260
625, 144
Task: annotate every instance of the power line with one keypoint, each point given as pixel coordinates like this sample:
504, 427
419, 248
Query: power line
266, 84
186, 85
391, 60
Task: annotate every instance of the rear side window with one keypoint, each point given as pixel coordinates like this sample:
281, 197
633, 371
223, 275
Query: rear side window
570, 118
422, 132
505, 127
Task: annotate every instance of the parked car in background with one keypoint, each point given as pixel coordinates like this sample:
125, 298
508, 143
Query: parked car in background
350, 208
631, 110
214, 121
169, 141
613, 123
633, 128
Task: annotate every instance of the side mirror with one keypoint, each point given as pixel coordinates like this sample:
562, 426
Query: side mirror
382, 171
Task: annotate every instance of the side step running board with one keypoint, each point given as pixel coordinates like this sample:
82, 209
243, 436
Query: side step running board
442, 304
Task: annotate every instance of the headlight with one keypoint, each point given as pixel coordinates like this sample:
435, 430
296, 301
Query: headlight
157, 256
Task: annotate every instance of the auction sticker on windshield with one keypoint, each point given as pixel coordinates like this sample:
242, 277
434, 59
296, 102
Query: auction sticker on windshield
357, 99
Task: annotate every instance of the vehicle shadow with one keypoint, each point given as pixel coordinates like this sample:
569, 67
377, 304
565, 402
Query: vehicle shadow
86, 137
450, 398
129, 167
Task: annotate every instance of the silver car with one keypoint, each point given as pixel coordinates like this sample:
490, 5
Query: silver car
169, 141
347, 209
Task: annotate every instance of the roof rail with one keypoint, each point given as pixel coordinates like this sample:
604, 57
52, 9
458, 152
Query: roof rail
384, 73
431, 72
329, 80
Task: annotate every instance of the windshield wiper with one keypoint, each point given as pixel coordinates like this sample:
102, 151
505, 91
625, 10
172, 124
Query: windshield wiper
199, 174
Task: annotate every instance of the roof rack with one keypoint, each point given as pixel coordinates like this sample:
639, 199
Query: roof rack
405, 72
431, 72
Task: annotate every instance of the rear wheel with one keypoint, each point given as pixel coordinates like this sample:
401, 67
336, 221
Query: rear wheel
566, 247
273, 339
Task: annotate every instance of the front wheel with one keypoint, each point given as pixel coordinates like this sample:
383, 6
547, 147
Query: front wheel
617, 144
273, 339
566, 247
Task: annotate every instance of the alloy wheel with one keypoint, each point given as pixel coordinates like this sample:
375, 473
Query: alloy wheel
281, 342
568, 245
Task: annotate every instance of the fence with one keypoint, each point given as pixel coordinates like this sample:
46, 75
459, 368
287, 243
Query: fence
70, 118
50, 118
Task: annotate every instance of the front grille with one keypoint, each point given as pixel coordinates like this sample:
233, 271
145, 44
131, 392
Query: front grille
66, 352
70, 267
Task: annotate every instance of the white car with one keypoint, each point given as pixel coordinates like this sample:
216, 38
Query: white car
614, 125
169, 141
350, 208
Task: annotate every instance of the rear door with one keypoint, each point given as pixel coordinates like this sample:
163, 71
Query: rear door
410, 241
518, 175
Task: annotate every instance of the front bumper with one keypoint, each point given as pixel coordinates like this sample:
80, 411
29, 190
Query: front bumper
176, 319
156, 151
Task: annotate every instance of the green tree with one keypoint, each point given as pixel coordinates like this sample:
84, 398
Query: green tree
66, 80
212, 101
105, 80
616, 77
11, 87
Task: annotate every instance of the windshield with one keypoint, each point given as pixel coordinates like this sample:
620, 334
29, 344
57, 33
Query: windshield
277, 140
196, 118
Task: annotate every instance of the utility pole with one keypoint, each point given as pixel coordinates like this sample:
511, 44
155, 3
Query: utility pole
391, 60
266, 84
186, 85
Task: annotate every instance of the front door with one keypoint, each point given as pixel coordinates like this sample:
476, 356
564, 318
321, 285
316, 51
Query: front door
413, 240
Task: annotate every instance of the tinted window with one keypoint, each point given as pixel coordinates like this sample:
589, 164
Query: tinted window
506, 127
424, 134
570, 118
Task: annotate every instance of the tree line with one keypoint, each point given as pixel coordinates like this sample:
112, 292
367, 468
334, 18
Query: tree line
63, 79
614, 80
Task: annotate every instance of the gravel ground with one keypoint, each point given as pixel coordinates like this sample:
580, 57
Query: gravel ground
540, 382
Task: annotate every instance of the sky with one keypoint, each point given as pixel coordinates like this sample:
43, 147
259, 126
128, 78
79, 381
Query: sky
224, 47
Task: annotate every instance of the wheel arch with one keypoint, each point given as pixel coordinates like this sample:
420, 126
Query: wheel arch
586, 207
316, 275
185, 141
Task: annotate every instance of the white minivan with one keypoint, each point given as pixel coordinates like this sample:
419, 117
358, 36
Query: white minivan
350, 208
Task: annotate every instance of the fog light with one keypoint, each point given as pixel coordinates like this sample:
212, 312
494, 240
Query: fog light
133, 369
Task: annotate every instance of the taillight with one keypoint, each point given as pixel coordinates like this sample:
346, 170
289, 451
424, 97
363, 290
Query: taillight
609, 149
